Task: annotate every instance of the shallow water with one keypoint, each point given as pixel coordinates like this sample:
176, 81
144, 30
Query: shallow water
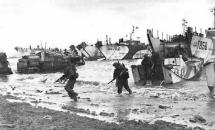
99, 100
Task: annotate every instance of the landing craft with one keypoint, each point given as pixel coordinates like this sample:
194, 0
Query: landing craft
172, 58
27, 51
204, 48
124, 49
90, 52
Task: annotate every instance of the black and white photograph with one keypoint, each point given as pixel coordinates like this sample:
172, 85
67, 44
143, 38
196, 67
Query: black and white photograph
107, 65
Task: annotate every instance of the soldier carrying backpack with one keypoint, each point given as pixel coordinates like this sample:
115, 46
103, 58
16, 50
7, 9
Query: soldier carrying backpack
121, 75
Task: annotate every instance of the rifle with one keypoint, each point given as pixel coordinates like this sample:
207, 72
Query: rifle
62, 78
111, 81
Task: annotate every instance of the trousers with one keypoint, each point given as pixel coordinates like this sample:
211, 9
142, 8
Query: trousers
122, 83
69, 88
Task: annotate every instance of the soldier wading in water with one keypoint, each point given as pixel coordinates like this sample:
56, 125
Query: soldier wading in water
121, 75
148, 67
71, 74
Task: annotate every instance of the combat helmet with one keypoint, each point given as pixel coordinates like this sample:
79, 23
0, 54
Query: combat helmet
116, 64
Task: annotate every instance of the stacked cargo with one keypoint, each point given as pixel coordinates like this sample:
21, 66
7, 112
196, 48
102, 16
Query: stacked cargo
29, 64
45, 62
76, 59
52, 62
4, 69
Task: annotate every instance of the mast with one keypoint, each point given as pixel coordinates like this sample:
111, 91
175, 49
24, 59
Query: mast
45, 45
213, 11
133, 29
184, 25
107, 39
131, 33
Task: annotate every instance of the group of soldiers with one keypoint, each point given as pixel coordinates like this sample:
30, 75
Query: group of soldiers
150, 65
120, 74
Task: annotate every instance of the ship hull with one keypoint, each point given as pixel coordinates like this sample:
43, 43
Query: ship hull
180, 70
45, 62
174, 70
91, 53
172, 66
203, 48
121, 51
4, 69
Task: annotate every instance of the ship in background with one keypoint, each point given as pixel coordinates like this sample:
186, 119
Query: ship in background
167, 47
47, 61
90, 52
124, 49
22, 51
177, 61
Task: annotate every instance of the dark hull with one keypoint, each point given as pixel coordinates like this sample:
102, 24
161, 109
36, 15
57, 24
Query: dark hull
46, 63
4, 69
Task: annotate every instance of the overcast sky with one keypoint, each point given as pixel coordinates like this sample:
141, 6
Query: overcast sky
64, 22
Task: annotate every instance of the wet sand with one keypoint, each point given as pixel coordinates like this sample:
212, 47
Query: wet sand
21, 116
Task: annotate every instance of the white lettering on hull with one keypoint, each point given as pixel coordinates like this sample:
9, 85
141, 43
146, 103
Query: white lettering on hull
114, 51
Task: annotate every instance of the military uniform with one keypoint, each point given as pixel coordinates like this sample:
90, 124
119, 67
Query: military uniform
121, 75
147, 65
72, 75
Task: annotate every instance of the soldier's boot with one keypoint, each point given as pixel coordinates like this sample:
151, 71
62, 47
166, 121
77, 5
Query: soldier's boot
73, 95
